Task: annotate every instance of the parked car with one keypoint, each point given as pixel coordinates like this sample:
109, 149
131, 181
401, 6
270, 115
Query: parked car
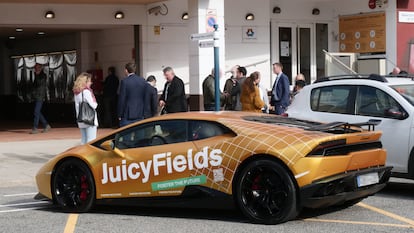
270, 166
360, 98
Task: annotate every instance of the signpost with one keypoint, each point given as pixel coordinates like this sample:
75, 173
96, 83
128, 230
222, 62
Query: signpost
216, 68
208, 40
202, 36
206, 44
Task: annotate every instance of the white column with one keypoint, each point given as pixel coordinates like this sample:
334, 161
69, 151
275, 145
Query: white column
201, 60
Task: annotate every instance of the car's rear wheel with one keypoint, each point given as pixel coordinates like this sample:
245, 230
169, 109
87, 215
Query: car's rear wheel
73, 186
265, 192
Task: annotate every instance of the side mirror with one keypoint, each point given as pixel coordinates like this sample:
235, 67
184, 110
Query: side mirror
395, 113
109, 145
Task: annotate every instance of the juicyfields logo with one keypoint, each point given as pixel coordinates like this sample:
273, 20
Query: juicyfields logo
144, 169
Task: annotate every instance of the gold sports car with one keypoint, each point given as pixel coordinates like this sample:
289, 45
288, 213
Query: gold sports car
270, 166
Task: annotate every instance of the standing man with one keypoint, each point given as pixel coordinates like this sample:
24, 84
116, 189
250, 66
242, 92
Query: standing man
39, 95
132, 97
228, 87
280, 91
237, 89
152, 97
173, 97
110, 96
209, 92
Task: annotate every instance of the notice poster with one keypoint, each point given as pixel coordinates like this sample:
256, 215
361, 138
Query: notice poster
363, 33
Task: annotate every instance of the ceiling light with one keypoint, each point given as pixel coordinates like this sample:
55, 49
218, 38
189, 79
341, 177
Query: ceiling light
50, 15
316, 11
41, 33
277, 10
119, 15
19, 29
185, 16
250, 16
12, 37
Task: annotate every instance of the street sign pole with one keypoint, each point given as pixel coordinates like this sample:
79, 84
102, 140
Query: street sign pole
216, 68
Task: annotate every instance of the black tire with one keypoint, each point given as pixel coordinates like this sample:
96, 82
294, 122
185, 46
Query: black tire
265, 192
73, 186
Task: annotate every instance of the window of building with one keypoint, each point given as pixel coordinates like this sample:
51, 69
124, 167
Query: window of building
60, 70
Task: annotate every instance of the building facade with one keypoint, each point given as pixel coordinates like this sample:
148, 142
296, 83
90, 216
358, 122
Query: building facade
155, 34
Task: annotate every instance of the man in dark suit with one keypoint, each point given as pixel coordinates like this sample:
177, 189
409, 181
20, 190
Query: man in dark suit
132, 97
152, 96
110, 98
173, 97
280, 92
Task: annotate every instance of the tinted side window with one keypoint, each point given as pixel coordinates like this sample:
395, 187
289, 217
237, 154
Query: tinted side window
335, 99
207, 129
153, 134
371, 101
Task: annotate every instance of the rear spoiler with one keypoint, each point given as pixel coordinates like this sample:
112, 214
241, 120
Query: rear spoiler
345, 125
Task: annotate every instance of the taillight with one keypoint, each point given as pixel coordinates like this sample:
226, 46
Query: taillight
322, 148
339, 147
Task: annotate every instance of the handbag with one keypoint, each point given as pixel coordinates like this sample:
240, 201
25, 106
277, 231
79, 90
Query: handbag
86, 113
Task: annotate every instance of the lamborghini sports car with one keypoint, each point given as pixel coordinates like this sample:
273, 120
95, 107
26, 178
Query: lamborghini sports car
270, 166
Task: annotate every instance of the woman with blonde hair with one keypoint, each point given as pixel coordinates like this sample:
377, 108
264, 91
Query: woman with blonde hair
82, 92
250, 98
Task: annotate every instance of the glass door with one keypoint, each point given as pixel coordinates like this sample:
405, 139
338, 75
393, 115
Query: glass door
294, 46
304, 53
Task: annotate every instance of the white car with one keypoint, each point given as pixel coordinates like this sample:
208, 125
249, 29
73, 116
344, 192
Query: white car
355, 99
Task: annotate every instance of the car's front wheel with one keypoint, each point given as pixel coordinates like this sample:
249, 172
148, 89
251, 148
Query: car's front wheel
265, 192
73, 186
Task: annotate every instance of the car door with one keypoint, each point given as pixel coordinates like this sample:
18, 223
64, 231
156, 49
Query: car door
372, 103
210, 137
153, 160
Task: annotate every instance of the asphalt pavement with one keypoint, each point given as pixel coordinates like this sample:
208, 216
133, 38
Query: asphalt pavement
22, 153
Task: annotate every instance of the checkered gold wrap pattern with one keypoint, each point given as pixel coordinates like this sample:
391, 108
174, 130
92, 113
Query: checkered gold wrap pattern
286, 143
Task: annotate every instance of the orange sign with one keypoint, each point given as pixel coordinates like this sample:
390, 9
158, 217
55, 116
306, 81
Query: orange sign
363, 33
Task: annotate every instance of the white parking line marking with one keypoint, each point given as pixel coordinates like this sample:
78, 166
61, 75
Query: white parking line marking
386, 213
24, 203
358, 222
19, 194
22, 209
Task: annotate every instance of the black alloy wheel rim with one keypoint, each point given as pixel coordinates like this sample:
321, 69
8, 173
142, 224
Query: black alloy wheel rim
263, 193
72, 186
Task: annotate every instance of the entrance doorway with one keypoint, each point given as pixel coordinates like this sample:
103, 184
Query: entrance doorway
299, 47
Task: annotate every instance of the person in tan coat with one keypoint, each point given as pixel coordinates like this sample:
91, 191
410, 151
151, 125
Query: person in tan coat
250, 98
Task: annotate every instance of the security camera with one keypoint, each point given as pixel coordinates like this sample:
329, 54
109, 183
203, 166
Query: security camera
154, 10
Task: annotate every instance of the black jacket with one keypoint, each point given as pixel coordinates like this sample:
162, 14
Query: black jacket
175, 100
152, 106
40, 87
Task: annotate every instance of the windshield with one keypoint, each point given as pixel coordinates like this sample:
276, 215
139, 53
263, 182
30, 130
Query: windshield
406, 91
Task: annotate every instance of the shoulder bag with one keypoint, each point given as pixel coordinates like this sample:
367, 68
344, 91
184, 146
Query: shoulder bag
86, 113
